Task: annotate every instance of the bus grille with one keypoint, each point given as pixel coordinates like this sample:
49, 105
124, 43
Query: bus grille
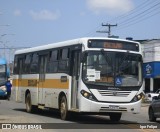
114, 93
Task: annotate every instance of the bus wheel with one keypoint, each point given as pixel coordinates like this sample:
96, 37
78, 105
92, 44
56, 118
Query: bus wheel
63, 108
151, 115
28, 103
115, 117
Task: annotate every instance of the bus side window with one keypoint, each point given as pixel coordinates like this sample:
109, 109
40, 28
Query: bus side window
34, 63
27, 63
15, 70
63, 60
20, 65
53, 62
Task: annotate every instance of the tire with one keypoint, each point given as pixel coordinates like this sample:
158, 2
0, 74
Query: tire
115, 117
151, 115
64, 108
28, 103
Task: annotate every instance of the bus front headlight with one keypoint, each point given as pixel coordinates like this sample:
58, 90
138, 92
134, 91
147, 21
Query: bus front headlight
88, 95
138, 97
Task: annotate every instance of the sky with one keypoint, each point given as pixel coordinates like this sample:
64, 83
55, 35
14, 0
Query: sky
29, 23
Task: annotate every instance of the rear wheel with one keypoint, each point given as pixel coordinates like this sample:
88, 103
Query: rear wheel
28, 103
151, 115
63, 108
115, 117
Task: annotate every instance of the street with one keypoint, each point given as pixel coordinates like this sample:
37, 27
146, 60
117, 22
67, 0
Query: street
12, 112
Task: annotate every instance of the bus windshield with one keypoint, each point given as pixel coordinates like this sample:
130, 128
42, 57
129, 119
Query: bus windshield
112, 68
2, 74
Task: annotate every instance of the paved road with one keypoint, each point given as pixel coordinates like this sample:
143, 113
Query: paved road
12, 112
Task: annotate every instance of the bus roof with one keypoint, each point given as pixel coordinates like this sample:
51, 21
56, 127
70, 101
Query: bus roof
65, 43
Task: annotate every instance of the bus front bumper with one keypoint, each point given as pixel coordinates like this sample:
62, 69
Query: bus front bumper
87, 105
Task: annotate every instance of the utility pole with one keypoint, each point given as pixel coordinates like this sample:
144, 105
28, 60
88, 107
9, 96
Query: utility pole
109, 28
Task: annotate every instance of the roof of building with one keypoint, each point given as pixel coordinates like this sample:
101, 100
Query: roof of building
148, 41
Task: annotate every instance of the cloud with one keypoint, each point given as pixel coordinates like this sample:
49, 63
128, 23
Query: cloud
45, 15
17, 12
110, 6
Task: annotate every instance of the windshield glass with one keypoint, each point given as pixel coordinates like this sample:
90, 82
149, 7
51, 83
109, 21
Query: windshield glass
2, 73
112, 68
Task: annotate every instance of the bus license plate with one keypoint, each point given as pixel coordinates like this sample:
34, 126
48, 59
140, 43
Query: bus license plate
113, 107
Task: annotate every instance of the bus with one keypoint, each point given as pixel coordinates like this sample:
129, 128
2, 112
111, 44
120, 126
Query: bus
4, 75
92, 75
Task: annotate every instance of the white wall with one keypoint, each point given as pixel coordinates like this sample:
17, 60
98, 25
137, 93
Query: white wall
151, 51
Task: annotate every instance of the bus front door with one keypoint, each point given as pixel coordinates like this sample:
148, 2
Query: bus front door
75, 77
42, 71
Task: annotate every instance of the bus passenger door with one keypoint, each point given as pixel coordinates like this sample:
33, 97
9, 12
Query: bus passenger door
42, 71
75, 77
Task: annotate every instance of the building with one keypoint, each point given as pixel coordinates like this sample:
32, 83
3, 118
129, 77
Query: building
151, 64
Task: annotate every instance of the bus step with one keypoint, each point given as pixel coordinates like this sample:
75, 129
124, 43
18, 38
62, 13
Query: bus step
74, 110
41, 107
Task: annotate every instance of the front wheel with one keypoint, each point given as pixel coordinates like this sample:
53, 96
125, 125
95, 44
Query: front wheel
151, 115
115, 117
63, 108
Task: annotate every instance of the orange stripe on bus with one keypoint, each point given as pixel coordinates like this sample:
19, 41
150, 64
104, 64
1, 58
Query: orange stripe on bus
48, 83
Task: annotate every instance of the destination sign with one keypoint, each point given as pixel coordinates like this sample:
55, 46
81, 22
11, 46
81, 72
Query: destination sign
112, 44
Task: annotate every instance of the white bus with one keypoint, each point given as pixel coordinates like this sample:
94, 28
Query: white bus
86, 75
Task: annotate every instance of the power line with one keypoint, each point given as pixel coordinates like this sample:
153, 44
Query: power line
142, 12
133, 11
137, 21
145, 12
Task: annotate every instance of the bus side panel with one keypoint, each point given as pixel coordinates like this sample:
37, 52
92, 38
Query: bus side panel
53, 86
30, 84
15, 95
27, 83
51, 97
